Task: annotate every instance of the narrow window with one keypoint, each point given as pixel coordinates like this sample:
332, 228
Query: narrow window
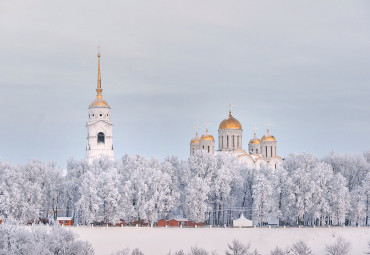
271, 152
275, 166
208, 148
266, 151
257, 151
227, 141
101, 137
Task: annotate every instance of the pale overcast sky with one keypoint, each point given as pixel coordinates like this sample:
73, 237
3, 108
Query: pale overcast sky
170, 65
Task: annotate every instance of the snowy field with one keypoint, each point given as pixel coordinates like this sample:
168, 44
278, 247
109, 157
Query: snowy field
153, 241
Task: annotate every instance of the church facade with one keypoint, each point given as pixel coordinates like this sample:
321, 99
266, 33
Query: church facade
261, 152
99, 126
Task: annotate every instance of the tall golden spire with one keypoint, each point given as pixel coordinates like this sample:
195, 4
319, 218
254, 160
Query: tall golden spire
99, 90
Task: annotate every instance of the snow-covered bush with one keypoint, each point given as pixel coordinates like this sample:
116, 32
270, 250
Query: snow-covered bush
300, 248
340, 247
238, 248
277, 251
41, 240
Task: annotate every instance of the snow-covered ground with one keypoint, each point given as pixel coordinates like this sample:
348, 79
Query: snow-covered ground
153, 241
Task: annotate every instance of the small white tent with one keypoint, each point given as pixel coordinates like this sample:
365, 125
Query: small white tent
242, 222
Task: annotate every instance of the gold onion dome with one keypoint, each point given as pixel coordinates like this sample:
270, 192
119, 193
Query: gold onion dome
195, 139
268, 137
230, 123
99, 102
254, 140
207, 137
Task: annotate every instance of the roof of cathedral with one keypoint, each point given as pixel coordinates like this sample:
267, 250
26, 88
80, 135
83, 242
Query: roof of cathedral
195, 139
268, 137
254, 139
207, 137
230, 123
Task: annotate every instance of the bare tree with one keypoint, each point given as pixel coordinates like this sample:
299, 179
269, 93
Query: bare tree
277, 251
340, 247
300, 248
237, 248
136, 252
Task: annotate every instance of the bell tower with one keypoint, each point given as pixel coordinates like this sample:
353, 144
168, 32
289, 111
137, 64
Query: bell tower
99, 126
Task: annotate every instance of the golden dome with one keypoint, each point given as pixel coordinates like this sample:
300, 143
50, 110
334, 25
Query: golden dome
254, 141
270, 138
195, 139
230, 123
99, 102
207, 137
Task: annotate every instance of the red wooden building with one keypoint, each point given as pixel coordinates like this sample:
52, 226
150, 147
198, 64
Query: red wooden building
162, 223
65, 221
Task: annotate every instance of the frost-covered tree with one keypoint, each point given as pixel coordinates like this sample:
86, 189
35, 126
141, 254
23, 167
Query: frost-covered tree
89, 202
353, 167
262, 199
110, 197
196, 205
338, 197
41, 241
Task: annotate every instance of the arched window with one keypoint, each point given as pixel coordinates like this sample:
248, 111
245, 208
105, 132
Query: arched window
227, 141
101, 137
208, 148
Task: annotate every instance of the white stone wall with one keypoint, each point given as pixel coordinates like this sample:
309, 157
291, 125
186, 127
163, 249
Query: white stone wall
254, 148
207, 145
193, 148
268, 148
229, 139
99, 120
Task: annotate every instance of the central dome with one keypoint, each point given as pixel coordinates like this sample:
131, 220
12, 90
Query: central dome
230, 123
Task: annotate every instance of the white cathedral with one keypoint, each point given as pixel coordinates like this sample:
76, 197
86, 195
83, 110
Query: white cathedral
99, 126
261, 152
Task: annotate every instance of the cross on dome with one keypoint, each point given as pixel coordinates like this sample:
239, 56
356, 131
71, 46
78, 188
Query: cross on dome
207, 123
255, 129
196, 127
230, 105
268, 129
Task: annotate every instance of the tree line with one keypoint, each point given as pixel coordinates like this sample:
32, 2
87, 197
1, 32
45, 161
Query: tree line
214, 189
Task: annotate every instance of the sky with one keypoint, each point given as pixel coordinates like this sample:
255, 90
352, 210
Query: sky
168, 66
